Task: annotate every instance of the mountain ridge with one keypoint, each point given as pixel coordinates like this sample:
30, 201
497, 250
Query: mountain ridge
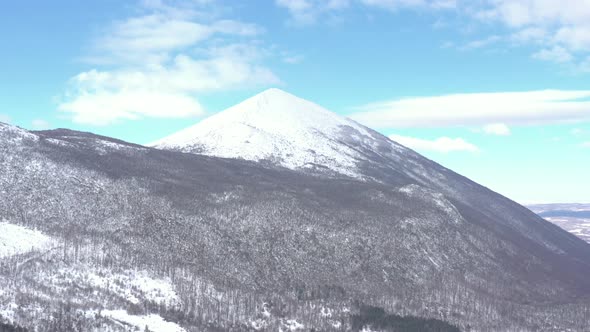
256, 245
368, 155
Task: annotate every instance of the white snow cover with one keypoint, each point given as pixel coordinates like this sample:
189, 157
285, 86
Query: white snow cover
14, 134
274, 125
153, 322
135, 286
103, 147
16, 239
293, 325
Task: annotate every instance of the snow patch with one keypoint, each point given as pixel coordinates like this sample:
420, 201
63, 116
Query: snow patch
265, 310
15, 239
293, 325
59, 142
104, 147
152, 322
368, 329
259, 324
135, 286
7, 312
15, 134
336, 324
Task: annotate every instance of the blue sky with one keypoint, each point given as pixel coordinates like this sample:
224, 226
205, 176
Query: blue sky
498, 90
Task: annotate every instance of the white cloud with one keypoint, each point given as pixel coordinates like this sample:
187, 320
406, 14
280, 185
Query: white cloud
103, 108
308, 11
535, 35
585, 65
40, 124
442, 144
555, 54
482, 42
586, 144
5, 118
498, 129
518, 13
574, 37
578, 132
559, 30
293, 59
510, 108
397, 4
158, 64
150, 38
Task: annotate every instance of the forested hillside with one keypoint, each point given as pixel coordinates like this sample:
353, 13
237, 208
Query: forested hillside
138, 237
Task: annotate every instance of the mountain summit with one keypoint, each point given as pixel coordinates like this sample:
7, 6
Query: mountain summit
283, 129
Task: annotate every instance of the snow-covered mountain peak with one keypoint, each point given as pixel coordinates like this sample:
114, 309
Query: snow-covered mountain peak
272, 110
281, 128
274, 106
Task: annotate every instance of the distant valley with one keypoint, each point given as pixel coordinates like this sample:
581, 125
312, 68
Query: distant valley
574, 218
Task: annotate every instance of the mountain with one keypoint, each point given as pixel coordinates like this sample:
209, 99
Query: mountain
280, 129
283, 129
134, 236
277, 128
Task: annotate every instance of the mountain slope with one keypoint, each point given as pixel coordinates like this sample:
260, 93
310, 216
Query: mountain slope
283, 130
253, 246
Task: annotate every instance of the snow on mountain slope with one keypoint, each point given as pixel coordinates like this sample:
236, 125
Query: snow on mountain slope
13, 135
417, 234
149, 322
281, 128
16, 240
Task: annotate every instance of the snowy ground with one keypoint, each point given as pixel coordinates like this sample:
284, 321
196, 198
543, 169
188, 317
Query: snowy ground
152, 322
96, 287
580, 227
134, 286
571, 217
16, 239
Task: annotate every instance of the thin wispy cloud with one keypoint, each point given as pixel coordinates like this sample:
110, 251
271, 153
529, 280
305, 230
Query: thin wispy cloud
441, 144
305, 12
555, 54
478, 109
560, 32
498, 129
395, 5
293, 59
578, 132
480, 43
561, 29
158, 64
